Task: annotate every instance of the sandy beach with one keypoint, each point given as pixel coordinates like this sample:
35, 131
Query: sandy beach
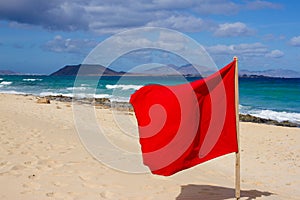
42, 157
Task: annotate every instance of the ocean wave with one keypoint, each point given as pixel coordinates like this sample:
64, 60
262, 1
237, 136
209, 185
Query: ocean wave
102, 96
32, 79
77, 88
278, 116
6, 83
12, 92
123, 87
1, 79
271, 114
119, 99
84, 85
55, 94
77, 95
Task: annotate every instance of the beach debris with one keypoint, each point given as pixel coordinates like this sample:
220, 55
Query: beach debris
43, 100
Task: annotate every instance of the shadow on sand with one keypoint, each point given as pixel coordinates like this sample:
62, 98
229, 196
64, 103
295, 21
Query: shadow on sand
208, 192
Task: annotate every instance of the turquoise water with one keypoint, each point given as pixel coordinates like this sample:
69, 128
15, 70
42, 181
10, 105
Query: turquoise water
272, 98
275, 94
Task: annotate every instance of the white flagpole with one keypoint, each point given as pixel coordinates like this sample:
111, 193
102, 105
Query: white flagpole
237, 155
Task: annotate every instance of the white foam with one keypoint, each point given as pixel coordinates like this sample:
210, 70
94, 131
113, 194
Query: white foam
6, 83
85, 95
77, 88
77, 95
271, 114
84, 85
278, 116
124, 87
1, 79
11, 92
32, 79
55, 94
102, 96
119, 99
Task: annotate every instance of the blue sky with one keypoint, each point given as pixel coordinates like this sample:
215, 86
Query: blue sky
42, 36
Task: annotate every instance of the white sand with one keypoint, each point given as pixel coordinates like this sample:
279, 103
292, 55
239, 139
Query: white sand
41, 157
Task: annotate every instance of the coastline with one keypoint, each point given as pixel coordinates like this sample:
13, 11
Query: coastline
106, 103
42, 157
282, 106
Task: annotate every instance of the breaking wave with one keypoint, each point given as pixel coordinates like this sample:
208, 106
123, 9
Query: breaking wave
271, 114
123, 87
32, 79
6, 83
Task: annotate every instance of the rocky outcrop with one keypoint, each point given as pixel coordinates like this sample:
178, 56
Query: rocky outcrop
250, 118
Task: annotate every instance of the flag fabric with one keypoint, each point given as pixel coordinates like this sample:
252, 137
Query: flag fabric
184, 125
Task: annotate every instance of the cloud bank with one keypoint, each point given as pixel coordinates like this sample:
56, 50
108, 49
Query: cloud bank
106, 16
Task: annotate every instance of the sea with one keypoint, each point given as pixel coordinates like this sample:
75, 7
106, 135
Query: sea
270, 98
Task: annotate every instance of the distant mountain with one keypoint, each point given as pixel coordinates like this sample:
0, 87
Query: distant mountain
194, 70
165, 70
7, 72
173, 70
86, 70
160, 70
281, 73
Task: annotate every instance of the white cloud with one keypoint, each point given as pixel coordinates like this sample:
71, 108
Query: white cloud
258, 5
182, 23
275, 54
233, 30
246, 50
108, 16
79, 46
295, 41
217, 7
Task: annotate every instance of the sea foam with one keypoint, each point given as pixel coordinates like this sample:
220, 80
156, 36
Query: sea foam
32, 79
55, 94
271, 114
12, 92
6, 83
77, 95
123, 87
278, 116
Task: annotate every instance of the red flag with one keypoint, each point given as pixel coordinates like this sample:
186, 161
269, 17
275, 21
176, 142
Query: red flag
184, 125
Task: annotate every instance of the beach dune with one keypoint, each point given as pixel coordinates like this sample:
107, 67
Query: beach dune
42, 157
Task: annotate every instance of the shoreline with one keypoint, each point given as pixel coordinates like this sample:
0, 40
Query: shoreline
106, 103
